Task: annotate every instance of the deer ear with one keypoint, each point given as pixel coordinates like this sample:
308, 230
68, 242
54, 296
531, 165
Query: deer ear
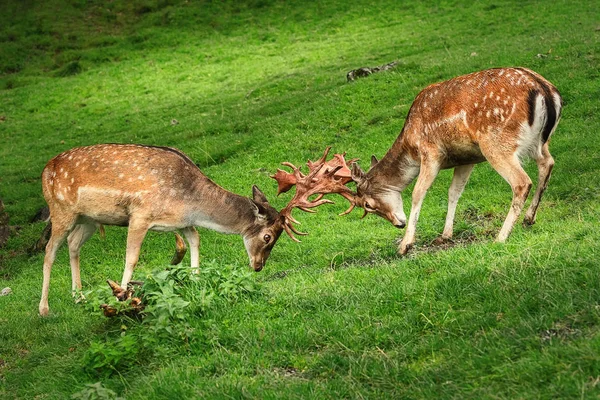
259, 210
374, 161
258, 196
357, 173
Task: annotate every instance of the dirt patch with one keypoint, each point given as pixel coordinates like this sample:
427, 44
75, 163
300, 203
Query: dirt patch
288, 372
463, 238
560, 331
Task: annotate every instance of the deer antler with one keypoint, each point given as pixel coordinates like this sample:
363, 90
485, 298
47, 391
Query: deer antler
323, 177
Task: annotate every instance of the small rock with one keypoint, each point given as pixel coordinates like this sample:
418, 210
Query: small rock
474, 54
6, 291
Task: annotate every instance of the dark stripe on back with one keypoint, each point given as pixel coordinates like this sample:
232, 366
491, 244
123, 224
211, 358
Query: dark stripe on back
169, 149
551, 116
531, 96
549, 102
176, 151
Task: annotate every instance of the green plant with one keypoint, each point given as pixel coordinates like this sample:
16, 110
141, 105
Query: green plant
108, 357
95, 391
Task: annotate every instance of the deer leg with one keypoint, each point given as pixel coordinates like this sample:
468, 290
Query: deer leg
60, 230
459, 181
135, 237
510, 169
545, 164
427, 174
78, 236
191, 234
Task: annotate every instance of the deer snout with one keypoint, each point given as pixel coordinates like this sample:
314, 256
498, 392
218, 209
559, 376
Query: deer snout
398, 221
257, 264
400, 225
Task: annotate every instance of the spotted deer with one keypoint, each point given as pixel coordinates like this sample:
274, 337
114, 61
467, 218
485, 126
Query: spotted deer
152, 188
498, 115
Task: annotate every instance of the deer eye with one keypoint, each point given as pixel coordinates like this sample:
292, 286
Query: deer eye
267, 238
368, 206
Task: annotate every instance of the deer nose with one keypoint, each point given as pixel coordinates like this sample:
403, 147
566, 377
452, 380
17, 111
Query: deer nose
400, 225
258, 265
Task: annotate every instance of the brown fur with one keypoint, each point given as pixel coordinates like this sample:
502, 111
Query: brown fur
497, 115
145, 187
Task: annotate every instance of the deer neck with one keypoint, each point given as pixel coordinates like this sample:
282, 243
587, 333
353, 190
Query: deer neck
398, 168
220, 210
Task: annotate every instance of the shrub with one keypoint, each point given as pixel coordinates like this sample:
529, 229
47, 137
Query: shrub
173, 299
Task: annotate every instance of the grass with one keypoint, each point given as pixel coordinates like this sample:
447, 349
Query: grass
255, 83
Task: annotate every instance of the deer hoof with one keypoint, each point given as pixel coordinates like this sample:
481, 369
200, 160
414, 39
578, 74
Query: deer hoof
527, 222
404, 248
442, 240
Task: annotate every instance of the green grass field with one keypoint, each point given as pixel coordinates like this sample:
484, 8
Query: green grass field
251, 84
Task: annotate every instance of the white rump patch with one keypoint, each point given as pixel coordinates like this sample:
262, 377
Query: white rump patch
529, 143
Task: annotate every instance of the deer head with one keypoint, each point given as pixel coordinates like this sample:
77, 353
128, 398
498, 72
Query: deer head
377, 196
261, 236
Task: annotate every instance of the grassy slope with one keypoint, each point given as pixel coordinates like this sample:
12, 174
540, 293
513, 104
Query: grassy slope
341, 316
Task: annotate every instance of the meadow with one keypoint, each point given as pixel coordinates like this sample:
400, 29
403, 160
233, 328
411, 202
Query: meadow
241, 86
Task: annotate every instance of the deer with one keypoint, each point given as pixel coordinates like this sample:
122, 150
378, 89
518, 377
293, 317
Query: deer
499, 115
155, 188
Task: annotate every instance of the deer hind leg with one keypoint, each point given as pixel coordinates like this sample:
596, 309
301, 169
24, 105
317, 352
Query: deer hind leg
135, 237
459, 181
60, 229
545, 164
191, 234
429, 171
510, 169
78, 236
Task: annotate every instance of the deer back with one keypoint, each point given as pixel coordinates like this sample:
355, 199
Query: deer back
110, 183
512, 107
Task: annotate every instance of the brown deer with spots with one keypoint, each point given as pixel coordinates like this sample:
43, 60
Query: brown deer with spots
151, 188
499, 115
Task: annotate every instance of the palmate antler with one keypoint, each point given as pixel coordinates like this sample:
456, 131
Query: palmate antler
323, 177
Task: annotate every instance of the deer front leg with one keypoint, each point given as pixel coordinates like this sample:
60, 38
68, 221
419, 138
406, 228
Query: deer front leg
135, 237
459, 181
429, 171
191, 234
